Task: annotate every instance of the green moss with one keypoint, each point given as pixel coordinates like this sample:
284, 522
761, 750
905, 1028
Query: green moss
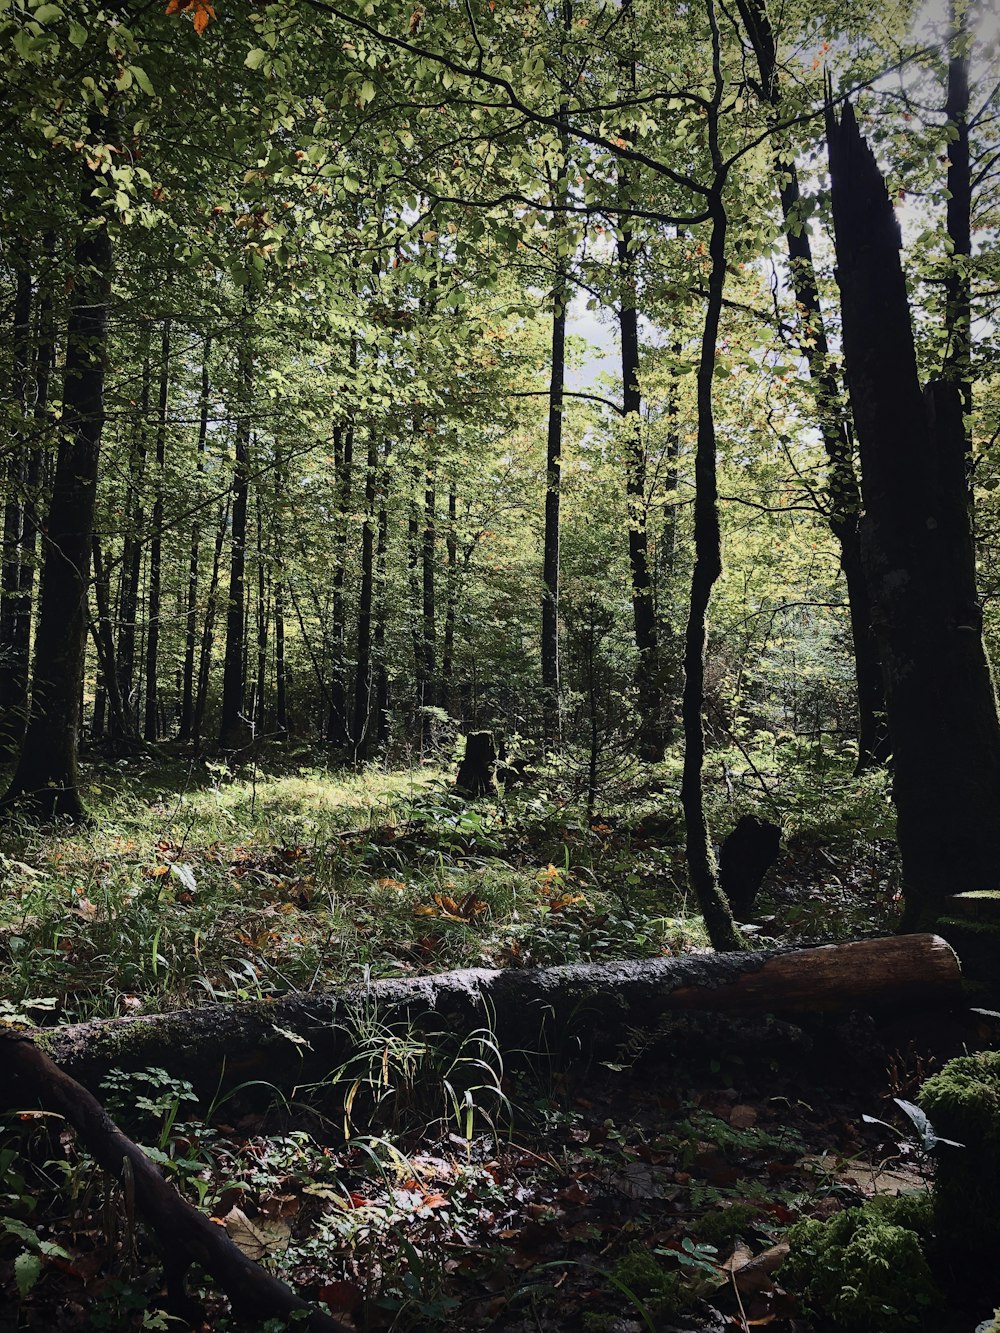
963, 1103
862, 1272
638, 1272
725, 1224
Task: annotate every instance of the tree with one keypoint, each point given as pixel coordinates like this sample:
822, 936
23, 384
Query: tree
919, 556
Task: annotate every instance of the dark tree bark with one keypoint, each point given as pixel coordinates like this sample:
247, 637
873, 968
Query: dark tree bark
958, 285
919, 556
208, 627
649, 739
647, 677
234, 733
476, 773
260, 680
337, 726
707, 556
13, 650
122, 723
131, 571
280, 669
593, 1004
843, 490
150, 726
451, 603
745, 857
363, 675
428, 607
46, 780
551, 710
382, 607
191, 606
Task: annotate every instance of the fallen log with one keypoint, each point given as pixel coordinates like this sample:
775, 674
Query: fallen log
302, 1037
186, 1235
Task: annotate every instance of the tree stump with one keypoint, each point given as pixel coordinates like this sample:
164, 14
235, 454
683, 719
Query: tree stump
475, 775
744, 859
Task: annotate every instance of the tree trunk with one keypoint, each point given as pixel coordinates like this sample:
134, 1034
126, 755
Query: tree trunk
476, 775
337, 727
150, 729
280, 670
382, 607
46, 780
595, 1002
131, 571
958, 280
122, 727
363, 676
208, 627
191, 608
234, 733
918, 556
451, 604
257, 711
843, 490
551, 709
13, 663
650, 705
428, 634
707, 562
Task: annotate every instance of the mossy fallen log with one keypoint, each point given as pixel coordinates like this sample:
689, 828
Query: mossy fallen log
592, 1006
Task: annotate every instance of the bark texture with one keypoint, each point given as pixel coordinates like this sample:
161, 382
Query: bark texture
46, 781
919, 557
594, 1003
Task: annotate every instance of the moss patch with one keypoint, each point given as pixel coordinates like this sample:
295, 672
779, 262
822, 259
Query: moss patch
864, 1271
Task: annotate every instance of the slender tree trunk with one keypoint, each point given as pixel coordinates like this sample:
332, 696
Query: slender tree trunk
448, 700
208, 627
702, 868
428, 551
13, 664
233, 730
46, 780
363, 677
958, 285
191, 607
551, 710
150, 728
337, 727
257, 713
843, 489
131, 572
122, 726
280, 676
919, 557
647, 678
382, 607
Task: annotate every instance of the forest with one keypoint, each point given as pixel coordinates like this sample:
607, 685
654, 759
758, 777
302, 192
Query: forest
499, 751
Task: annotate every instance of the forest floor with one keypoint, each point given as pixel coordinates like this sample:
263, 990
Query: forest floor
443, 1188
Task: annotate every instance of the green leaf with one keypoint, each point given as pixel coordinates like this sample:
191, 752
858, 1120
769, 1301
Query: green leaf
47, 14
255, 58
27, 1270
77, 33
142, 79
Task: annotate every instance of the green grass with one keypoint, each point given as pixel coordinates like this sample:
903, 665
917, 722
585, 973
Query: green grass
194, 884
